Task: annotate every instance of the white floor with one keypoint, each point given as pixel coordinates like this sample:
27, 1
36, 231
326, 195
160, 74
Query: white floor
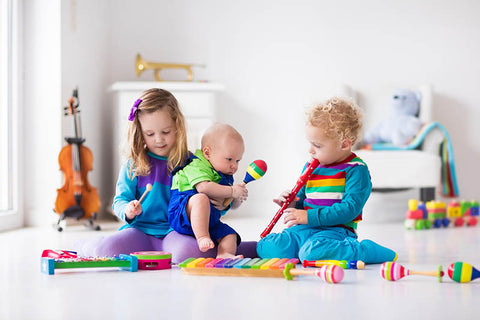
26, 293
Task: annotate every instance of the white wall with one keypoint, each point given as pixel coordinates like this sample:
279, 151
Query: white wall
41, 88
275, 58
85, 64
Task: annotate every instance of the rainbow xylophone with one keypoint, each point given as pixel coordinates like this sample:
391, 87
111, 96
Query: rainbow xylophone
124, 261
257, 267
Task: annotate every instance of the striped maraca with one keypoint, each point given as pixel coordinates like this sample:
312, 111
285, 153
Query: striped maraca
392, 271
462, 272
255, 171
330, 273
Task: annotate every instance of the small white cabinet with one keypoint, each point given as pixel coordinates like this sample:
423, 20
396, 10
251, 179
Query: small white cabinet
196, 99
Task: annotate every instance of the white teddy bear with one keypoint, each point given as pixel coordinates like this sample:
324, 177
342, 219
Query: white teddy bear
402, 123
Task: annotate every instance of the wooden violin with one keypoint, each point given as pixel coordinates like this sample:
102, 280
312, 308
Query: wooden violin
77, 198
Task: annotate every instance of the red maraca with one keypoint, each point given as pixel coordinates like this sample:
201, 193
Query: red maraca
392, 271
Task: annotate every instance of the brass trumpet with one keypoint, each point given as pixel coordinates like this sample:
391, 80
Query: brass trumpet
142, 65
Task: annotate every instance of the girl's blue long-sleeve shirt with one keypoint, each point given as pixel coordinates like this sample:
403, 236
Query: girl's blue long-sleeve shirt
154, 217
335, 195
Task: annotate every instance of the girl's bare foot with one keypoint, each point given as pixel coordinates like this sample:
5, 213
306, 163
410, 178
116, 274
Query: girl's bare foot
205, 243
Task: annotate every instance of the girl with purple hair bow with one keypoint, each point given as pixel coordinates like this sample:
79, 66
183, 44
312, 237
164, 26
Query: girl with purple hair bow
157, 143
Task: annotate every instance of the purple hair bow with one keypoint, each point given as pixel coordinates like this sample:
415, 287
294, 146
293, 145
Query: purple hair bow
134, 109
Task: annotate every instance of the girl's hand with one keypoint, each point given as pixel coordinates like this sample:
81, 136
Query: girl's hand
283, 197
293, 216
131, 211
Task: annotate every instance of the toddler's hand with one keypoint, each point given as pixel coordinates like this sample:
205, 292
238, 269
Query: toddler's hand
131, 211
239, 192
293, 217
283, 197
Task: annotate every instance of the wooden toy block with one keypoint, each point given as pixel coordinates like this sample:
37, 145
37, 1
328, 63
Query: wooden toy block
454, 210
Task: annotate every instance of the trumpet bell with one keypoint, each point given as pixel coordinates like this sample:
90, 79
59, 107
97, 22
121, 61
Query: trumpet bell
139, 65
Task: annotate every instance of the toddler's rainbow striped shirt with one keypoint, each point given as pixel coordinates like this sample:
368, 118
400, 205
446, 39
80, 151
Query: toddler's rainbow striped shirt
334, 195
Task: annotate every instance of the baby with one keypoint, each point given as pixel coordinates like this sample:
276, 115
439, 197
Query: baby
202, 184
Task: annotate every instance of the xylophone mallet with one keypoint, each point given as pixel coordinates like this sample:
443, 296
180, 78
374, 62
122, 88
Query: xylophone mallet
330, 273
393, 271
148, 188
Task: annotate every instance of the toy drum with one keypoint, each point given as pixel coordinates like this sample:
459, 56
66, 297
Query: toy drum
153, 260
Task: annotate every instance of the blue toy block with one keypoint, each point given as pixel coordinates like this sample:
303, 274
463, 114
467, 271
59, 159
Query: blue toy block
133, 262
47, 265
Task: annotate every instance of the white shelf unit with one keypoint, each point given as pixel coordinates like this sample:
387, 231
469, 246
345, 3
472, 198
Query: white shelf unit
196, 99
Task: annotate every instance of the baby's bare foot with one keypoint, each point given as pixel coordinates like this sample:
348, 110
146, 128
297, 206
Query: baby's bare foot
205, 243
229, 256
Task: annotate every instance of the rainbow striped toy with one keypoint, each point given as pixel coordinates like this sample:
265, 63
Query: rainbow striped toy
462, 272
344, 264
257, 267
393, 271
255, 171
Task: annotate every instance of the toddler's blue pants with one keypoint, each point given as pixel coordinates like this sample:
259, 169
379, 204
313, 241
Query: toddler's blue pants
335, 243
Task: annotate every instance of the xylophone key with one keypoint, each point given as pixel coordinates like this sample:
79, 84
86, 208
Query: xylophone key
293, 261
231, 263
193, 264
259, 263
212, 263
267, 264
202, 263
250, 263
184, 263
277, 264
221, 264
240, 264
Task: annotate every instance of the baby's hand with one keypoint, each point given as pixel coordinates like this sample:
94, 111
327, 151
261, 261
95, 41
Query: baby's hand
283, 197
131, 211
218, 203
239, 192
293, 217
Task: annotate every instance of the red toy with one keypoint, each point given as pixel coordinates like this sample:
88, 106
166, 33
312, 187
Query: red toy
300, 183
58, 254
